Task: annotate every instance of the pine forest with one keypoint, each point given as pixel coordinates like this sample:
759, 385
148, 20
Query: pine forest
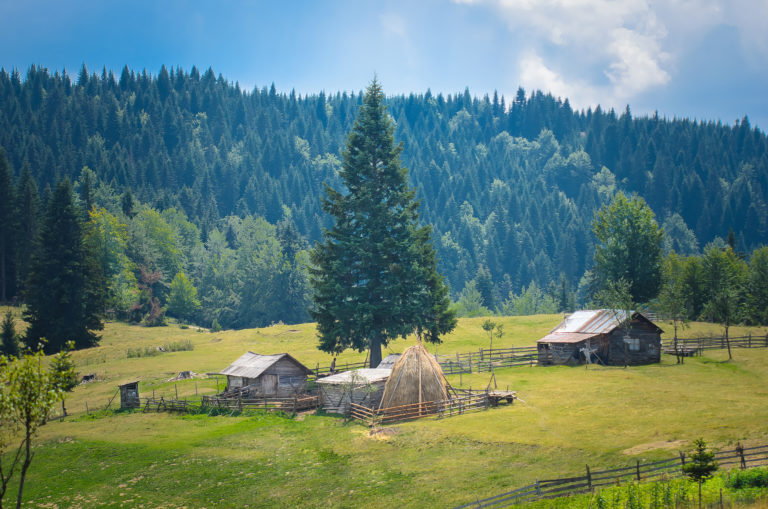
200, 200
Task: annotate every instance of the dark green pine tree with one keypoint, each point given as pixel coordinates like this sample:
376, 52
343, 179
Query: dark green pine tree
9, 342
7, 222
64, 293
375, 273
27, 207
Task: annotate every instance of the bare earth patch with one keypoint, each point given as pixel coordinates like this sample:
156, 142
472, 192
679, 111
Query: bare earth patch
650, 446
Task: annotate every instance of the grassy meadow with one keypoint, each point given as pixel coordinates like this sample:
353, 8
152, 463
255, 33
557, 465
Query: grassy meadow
567, 417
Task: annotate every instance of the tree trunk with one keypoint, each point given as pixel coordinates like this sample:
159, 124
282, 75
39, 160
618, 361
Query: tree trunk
375, 349
25, 465
699, 494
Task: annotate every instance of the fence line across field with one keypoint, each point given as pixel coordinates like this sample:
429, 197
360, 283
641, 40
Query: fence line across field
739, 457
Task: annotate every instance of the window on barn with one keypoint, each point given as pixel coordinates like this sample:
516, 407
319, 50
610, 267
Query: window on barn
634, 344
290, 381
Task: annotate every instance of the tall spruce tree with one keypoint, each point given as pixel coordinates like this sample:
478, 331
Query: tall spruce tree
27, 207
64, 291
375, 273
7, 221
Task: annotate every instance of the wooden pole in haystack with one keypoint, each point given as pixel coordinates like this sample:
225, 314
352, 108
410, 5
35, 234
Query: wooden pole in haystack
418, 337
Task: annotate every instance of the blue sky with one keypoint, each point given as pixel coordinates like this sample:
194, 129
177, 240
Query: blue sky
703, 59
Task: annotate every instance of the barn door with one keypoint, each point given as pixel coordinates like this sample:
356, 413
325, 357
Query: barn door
269, 384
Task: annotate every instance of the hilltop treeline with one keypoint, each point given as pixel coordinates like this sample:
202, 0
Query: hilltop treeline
510, 185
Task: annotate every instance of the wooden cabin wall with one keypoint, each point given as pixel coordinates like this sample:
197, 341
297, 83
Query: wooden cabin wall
649, 342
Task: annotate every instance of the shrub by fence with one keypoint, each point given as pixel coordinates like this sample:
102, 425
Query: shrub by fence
739, 457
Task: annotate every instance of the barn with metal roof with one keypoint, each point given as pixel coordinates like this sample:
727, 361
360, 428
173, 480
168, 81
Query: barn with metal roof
278, 375
598, 336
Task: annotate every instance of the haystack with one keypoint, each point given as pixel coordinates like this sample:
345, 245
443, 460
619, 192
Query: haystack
416, 378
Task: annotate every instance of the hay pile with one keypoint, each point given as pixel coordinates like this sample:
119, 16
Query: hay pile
416, 377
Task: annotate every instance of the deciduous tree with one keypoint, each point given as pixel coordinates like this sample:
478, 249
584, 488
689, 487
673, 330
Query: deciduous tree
628, 246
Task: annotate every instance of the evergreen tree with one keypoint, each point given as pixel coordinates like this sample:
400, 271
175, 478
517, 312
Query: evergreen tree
375, 274
65, 287
702, 464
27, 208
7, 221
9, 342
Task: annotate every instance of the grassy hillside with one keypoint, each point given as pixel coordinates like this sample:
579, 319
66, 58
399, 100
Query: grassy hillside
569, 417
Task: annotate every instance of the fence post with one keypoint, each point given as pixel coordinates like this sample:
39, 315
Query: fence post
638, 470
740, 452
682, 458
481, 354
538, 488
750, 340
589, 479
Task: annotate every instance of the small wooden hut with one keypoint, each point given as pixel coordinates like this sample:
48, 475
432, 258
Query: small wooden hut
598, 333
360, 386
416, 378
129, 395
275, 376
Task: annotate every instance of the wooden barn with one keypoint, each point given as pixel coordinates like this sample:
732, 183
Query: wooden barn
361, 386
275, 376
597, 333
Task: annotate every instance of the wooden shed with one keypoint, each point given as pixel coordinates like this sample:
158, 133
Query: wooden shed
129, 395
597, 333
277, 376
361, 386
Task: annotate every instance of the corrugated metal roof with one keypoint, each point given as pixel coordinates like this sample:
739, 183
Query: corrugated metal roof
365, 375
567, 337
252, 365
389, 361
584, 324
597, 321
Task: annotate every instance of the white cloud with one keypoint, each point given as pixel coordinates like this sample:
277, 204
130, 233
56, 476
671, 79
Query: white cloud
535, 74
609, 51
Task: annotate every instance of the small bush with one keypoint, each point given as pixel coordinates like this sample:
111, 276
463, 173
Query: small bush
752, 478
178, 346
147, 351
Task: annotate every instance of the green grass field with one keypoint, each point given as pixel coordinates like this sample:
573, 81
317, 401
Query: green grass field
569, 417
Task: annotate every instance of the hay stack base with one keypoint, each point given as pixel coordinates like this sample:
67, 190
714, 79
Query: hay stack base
416, 378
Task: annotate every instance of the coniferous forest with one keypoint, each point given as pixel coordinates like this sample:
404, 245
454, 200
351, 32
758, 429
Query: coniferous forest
200, 199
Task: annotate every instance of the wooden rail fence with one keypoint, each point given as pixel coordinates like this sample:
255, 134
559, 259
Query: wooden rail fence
465, 401
698, 345
320, 371
289, 405
739, 457
487, 359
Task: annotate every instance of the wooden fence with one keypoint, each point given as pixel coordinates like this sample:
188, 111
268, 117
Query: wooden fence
739, 457
463, 402
320, 371
289, 405
487, 359
698, 345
